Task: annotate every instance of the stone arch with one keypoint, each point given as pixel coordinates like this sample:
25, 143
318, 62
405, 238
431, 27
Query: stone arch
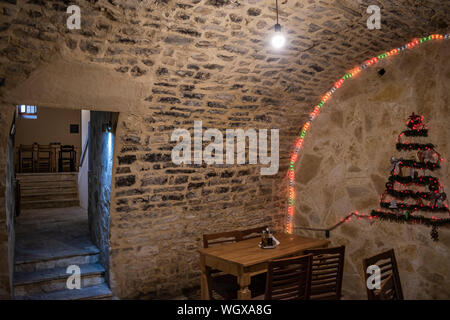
66, 83
69, 84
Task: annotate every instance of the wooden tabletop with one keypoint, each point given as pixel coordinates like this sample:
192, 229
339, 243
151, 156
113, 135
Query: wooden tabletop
248, 253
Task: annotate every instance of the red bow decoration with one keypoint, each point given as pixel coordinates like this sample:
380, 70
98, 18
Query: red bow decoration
414, 121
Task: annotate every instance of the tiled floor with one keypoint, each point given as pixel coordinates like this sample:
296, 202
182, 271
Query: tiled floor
47, 233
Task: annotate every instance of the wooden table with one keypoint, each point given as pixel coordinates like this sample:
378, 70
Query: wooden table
245, 259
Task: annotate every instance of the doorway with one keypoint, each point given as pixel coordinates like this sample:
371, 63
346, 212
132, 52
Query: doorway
64, 168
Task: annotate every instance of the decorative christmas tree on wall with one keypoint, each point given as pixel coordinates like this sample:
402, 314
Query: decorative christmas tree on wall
413, 194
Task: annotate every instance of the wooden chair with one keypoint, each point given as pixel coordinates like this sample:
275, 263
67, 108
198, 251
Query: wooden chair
55, 146
44, 158
258, 281
224, 284
220, 238
289, 279
327, 273
387, 290
67, 155
26, 158
388, 265
252, 233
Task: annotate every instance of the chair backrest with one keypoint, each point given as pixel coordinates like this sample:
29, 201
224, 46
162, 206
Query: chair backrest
67, 156
26, 155
67, 148
388, 266
231, 236
289, 278
220, 238
252, 233
327, 272
387, 290
44, 150
23, 149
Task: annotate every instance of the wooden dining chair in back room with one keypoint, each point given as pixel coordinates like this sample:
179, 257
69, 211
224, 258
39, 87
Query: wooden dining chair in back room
26, 158
44, 158
67, 156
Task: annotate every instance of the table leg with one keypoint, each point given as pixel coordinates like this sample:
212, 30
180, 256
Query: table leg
244, 292
204, 280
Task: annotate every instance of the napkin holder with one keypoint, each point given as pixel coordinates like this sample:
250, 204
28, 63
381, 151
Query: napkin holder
275, 244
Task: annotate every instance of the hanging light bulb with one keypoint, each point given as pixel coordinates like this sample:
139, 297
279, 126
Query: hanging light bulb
278, 40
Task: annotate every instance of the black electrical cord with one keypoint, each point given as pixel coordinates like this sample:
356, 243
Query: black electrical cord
276, 4
277, 26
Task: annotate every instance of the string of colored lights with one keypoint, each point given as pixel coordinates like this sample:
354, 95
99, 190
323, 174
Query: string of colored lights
378, 214
313, 115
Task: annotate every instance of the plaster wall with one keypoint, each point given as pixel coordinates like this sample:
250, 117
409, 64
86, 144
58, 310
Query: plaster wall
51, 125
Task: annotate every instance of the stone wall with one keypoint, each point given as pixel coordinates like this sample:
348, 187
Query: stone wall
7, 204
159, 211
101, 148
11, 204
345, 161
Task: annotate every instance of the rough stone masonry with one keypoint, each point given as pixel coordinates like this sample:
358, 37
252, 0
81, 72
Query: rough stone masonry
164, 64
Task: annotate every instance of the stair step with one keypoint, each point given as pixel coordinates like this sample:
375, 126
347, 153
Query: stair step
51, 188
40, 179
35, 174
45, 196
100, 291
89, 255
61, 203
29, 177
48, 184
23, 278
55, 279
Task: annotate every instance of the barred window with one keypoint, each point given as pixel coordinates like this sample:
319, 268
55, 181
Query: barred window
27, 112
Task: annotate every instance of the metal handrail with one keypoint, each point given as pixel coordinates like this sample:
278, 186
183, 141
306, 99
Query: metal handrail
83, 155
327, 230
